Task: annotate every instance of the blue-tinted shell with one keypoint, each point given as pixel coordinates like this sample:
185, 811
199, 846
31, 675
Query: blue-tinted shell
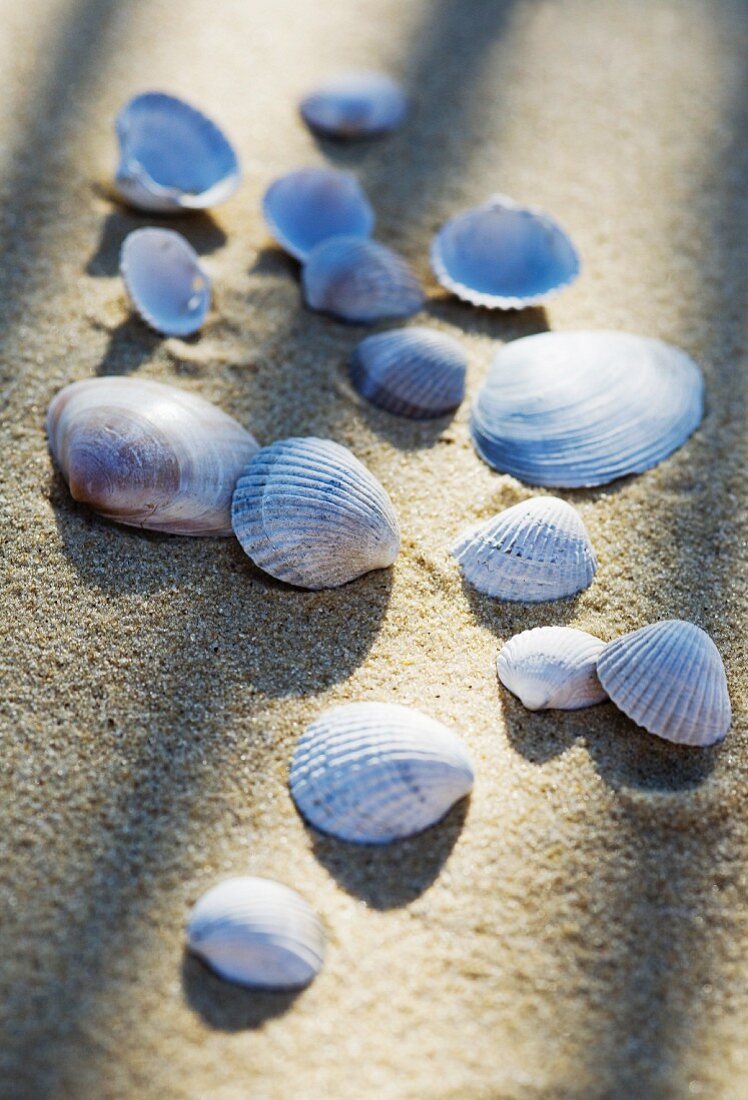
414, 372
355, 105
165, 280
309, 206
360, 280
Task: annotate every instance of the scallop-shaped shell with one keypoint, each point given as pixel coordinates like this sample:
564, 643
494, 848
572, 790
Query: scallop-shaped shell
503, 256
669, 678
258, 933
355, 105
172, 158
166, 283
412, 372
360, 280
376, 772
552, 667
537, 550
582, 408
148, 455
311, 205
309, 513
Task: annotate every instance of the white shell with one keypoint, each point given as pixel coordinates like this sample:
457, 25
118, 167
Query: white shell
355, 105
165, 281
669, 678
258, 933
376, 772
148, 455
309, 513
536, 550
582, 408
360, 280
412, 372
311, 205
552, 667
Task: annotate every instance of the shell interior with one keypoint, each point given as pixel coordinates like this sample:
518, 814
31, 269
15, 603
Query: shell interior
552, 667
360, 281
311, 205
414, 372
355, 105
165, 280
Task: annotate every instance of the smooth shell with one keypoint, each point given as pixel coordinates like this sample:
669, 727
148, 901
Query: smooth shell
375, 772
360, 280
165, 281
355, 105
311, 205
552, 667
412, 372
148, 455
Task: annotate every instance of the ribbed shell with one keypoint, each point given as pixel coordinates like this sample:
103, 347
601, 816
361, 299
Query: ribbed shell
582, 408
355, 105
412, 372
258, 933
375, 772
552, 667
165, 281
360, 280
669, 678
309, 513
311, 205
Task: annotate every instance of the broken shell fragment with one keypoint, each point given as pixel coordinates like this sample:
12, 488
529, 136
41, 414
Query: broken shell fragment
165, 281
552, 667
414, 372
311, 205
355, 105
360, 280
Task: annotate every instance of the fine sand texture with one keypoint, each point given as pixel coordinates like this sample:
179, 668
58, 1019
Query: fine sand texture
577, 931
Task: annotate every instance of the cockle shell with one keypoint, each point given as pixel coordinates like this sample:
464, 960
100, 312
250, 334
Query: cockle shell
552, 667
165, 280
360, 280
309, 513
412, 372
311, 205
172, 158
258, 933
669, 678
355, 105
537, 550
582, 408
503, 256
376, 772
148, 455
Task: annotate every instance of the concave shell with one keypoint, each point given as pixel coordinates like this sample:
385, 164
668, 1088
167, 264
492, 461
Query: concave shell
669, 678
165, 280
355, 105
148, 455
309, 513
172, 158
504, 256
360, 280
311, 205
552, 667
258, 933
569, 409
536, 550
375, 772
412, 372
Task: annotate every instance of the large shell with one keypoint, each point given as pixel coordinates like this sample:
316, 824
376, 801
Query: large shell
582, 408
311, 205
172, 158
165, 280
148, 455
537, 550
360, 280
355, 105
669, 678
309, 513
258, 933
413, 372
376, 772
503, 256
552, 667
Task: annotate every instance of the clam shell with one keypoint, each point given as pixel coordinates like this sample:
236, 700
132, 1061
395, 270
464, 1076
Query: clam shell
412, 372
537, 550
360, 280
552, 667
583, 408
309, 513
148, 455
258, 933
165, 281
504, 256
375, 772
311, 205
172, 158
355, 105
669, 678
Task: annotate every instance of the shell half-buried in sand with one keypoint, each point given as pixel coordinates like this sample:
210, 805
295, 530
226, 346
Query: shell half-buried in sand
552, 667
355, 105
165, 281
311, 205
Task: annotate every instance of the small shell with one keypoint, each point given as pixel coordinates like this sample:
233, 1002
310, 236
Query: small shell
360, 280
355, 105
172, 158
165, 281
503, 256
537, 550
309, 513
412, 372
258, 933
311, 205
375, 772
148, 455
669, 678
552, 667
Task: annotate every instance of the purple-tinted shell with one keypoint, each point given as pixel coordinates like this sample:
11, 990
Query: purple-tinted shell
414, 372
360, 280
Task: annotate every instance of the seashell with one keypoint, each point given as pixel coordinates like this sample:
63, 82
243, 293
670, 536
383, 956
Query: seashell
258, 933
359, 280
504, 256
413, 372
669, 678
309, 513
552, 667
148, 455
309, 206
582, 408
165, 281
172, 158
355, 105
536, 550
376, 772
